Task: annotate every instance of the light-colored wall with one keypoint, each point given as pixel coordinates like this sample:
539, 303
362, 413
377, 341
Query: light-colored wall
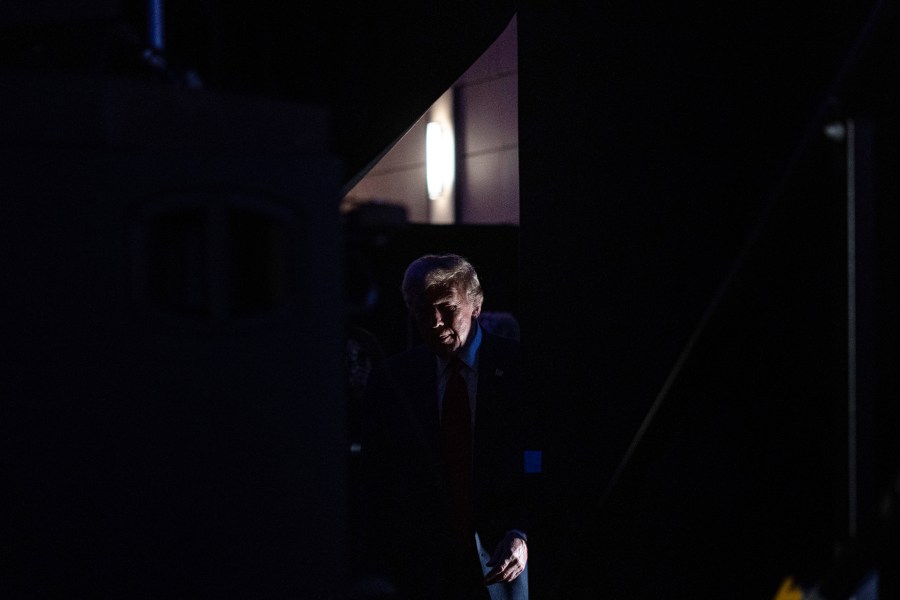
484, 101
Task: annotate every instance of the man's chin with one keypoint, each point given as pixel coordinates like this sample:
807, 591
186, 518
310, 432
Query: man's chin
443, 348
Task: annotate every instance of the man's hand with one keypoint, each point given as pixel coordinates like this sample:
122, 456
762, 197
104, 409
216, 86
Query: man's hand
508, 560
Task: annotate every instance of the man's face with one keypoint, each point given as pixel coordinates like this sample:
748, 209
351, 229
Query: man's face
445, 318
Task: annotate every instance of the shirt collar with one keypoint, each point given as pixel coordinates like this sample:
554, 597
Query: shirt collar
469, 352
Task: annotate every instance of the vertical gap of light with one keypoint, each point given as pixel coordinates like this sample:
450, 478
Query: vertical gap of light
155, 29
434, 170
439, 159
851, 331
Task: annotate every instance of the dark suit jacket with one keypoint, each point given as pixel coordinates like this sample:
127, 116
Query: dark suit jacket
406, 499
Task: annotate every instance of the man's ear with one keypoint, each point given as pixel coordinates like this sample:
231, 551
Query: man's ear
476, 311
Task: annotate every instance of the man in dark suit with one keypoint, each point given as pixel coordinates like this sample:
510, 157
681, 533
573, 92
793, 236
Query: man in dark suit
443, 446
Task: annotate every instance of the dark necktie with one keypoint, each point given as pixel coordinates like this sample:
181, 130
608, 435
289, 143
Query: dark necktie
456, 426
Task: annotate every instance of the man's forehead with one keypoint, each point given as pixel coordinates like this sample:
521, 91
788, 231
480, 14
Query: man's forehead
439, 294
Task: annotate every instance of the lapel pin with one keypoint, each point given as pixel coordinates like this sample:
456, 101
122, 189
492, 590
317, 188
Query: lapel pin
499, 372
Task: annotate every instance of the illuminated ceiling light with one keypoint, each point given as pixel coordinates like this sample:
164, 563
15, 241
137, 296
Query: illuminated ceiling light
439, 159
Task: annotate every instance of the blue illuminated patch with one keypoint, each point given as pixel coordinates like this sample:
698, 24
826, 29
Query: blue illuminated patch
532, 460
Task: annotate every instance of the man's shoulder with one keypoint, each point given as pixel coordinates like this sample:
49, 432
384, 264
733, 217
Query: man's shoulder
398, 371
492, 342
414, 358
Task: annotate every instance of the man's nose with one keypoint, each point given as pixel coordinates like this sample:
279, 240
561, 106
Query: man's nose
436, 318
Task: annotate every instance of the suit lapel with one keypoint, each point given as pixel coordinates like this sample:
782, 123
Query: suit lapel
491, 372
420, 398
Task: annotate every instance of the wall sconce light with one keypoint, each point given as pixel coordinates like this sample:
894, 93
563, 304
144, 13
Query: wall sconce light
439, 159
